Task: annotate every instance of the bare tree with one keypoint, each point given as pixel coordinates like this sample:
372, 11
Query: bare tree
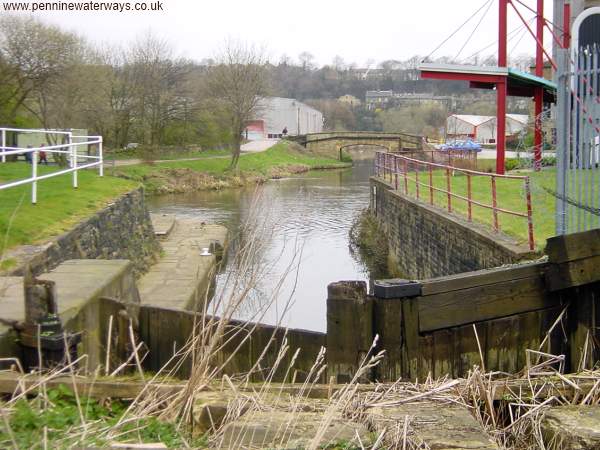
35, 57
338, 63
160, 82
306, 60
238, 81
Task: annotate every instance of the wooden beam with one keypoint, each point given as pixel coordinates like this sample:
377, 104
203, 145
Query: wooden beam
501, 390
574, 246
573, 273
481, 278
12, 382
484, 302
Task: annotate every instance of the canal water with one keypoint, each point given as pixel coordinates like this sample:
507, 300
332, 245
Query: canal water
308, 220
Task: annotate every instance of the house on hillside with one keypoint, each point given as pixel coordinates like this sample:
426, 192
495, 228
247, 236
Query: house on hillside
350, 100
483, 129
277, 113
378, 99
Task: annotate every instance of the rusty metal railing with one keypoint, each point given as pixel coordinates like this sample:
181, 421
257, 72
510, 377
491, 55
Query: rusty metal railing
403, 171
464, 159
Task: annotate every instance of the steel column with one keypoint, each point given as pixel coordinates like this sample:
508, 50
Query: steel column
502, 32
500, 126
539, 92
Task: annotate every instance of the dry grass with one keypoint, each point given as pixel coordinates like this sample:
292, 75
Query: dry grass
512, 421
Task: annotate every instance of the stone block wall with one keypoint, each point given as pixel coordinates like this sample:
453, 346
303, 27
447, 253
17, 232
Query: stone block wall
427, 242
122, 230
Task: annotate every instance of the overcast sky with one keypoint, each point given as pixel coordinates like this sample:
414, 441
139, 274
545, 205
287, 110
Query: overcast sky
356, 30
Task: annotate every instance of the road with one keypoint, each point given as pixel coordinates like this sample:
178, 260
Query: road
491, 154
259, 146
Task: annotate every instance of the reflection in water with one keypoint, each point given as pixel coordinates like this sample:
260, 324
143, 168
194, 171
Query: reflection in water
308, 219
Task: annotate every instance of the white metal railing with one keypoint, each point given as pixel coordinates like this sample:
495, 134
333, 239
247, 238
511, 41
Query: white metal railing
69, 149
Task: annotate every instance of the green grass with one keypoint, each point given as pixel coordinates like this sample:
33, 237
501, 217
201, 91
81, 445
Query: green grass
166, 154
61, 419
58, 207
280, 155
510, 196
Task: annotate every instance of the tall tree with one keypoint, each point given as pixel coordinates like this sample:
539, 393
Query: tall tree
160, 86
238, 81
35, 58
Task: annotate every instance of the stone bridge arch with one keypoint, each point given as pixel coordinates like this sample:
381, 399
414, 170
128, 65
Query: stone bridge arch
354, 147
330, 144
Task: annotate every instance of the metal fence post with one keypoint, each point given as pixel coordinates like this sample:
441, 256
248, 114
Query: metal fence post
431, 182
101, 156
73, 151
417, 181
562, 138
495, 204
3, 145
449, 190
34, 160
405, 177
529, 215
469, 195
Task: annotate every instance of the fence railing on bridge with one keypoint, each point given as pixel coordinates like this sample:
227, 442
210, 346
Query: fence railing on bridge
433, 182
75, 158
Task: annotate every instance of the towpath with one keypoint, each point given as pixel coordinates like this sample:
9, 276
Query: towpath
250, 147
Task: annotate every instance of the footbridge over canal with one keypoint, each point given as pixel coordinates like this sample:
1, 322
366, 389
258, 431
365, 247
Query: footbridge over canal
333, 143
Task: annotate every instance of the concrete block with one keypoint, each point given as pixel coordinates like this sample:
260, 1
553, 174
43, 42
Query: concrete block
572, 427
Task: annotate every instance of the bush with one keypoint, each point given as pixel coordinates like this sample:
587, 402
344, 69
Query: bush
512, 164
548, 161
345, 157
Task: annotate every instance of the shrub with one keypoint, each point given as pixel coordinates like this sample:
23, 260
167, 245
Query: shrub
512, 164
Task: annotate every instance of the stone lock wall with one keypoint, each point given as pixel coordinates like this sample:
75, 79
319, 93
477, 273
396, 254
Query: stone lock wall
426, 242
122, 230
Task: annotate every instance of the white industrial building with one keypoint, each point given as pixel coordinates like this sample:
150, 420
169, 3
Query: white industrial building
482, 129
276, 114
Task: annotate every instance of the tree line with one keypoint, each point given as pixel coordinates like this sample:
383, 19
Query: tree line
144, 92
141, 93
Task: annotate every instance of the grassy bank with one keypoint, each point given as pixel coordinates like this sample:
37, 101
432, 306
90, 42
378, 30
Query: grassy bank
164, 154
59, 206
283, 159
510, 196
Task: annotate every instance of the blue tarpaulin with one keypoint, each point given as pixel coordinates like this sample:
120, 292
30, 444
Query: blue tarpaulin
467, 145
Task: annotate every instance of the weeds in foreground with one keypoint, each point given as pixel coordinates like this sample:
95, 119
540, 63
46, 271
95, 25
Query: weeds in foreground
35, 425
37, 416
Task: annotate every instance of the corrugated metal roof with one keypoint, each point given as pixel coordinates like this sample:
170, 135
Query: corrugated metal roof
523, 118
278, 102
478, 120
531, 79
514, 75
472, 119
463, 68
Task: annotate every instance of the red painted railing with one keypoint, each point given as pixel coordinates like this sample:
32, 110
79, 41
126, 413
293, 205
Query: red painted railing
393, 166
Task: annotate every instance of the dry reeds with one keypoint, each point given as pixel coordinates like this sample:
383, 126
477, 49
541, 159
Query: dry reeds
509, 408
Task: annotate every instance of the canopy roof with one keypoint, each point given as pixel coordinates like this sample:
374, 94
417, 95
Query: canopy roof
519, 84
472, 119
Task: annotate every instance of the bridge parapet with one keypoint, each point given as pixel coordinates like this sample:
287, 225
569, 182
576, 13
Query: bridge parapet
332, 143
